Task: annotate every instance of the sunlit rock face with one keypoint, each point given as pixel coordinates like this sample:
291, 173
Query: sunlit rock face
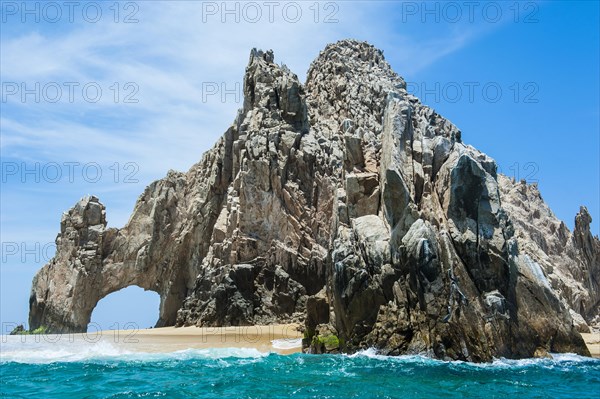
348, 205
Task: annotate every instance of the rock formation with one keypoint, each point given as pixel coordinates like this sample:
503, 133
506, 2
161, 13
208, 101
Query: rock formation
348, 205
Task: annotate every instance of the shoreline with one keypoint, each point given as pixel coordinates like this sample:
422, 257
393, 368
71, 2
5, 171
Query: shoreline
283, 339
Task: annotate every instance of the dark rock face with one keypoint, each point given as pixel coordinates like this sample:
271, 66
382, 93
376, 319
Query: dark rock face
347, 205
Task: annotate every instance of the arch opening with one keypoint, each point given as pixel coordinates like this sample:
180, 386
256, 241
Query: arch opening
129, 308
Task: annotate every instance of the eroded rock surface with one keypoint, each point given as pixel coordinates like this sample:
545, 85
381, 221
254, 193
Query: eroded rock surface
346, 204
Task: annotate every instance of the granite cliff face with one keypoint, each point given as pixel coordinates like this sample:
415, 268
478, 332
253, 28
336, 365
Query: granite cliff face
349, 206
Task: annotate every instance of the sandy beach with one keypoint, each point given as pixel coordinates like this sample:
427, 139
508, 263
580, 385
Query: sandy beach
593, 343
281, 338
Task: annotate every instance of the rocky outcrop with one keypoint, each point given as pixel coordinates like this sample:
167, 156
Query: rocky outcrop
348, 205
570, 261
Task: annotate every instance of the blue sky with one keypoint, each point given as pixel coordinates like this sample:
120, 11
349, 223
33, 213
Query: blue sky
521, 80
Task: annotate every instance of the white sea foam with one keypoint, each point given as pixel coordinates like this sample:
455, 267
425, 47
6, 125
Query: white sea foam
13, 349
556, 359
287, 343
37, 350
373, 353
214, 353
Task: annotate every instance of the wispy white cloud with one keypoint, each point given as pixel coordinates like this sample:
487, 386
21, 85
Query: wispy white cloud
170, 55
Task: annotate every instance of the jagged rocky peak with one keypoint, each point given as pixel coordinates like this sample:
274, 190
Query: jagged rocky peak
269, 87
87, 212
348, 83
346, 205
353, 62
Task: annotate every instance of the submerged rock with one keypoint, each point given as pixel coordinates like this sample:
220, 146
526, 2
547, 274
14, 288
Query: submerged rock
346, 204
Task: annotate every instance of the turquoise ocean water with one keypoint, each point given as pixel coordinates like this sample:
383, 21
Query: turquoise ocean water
103, 371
